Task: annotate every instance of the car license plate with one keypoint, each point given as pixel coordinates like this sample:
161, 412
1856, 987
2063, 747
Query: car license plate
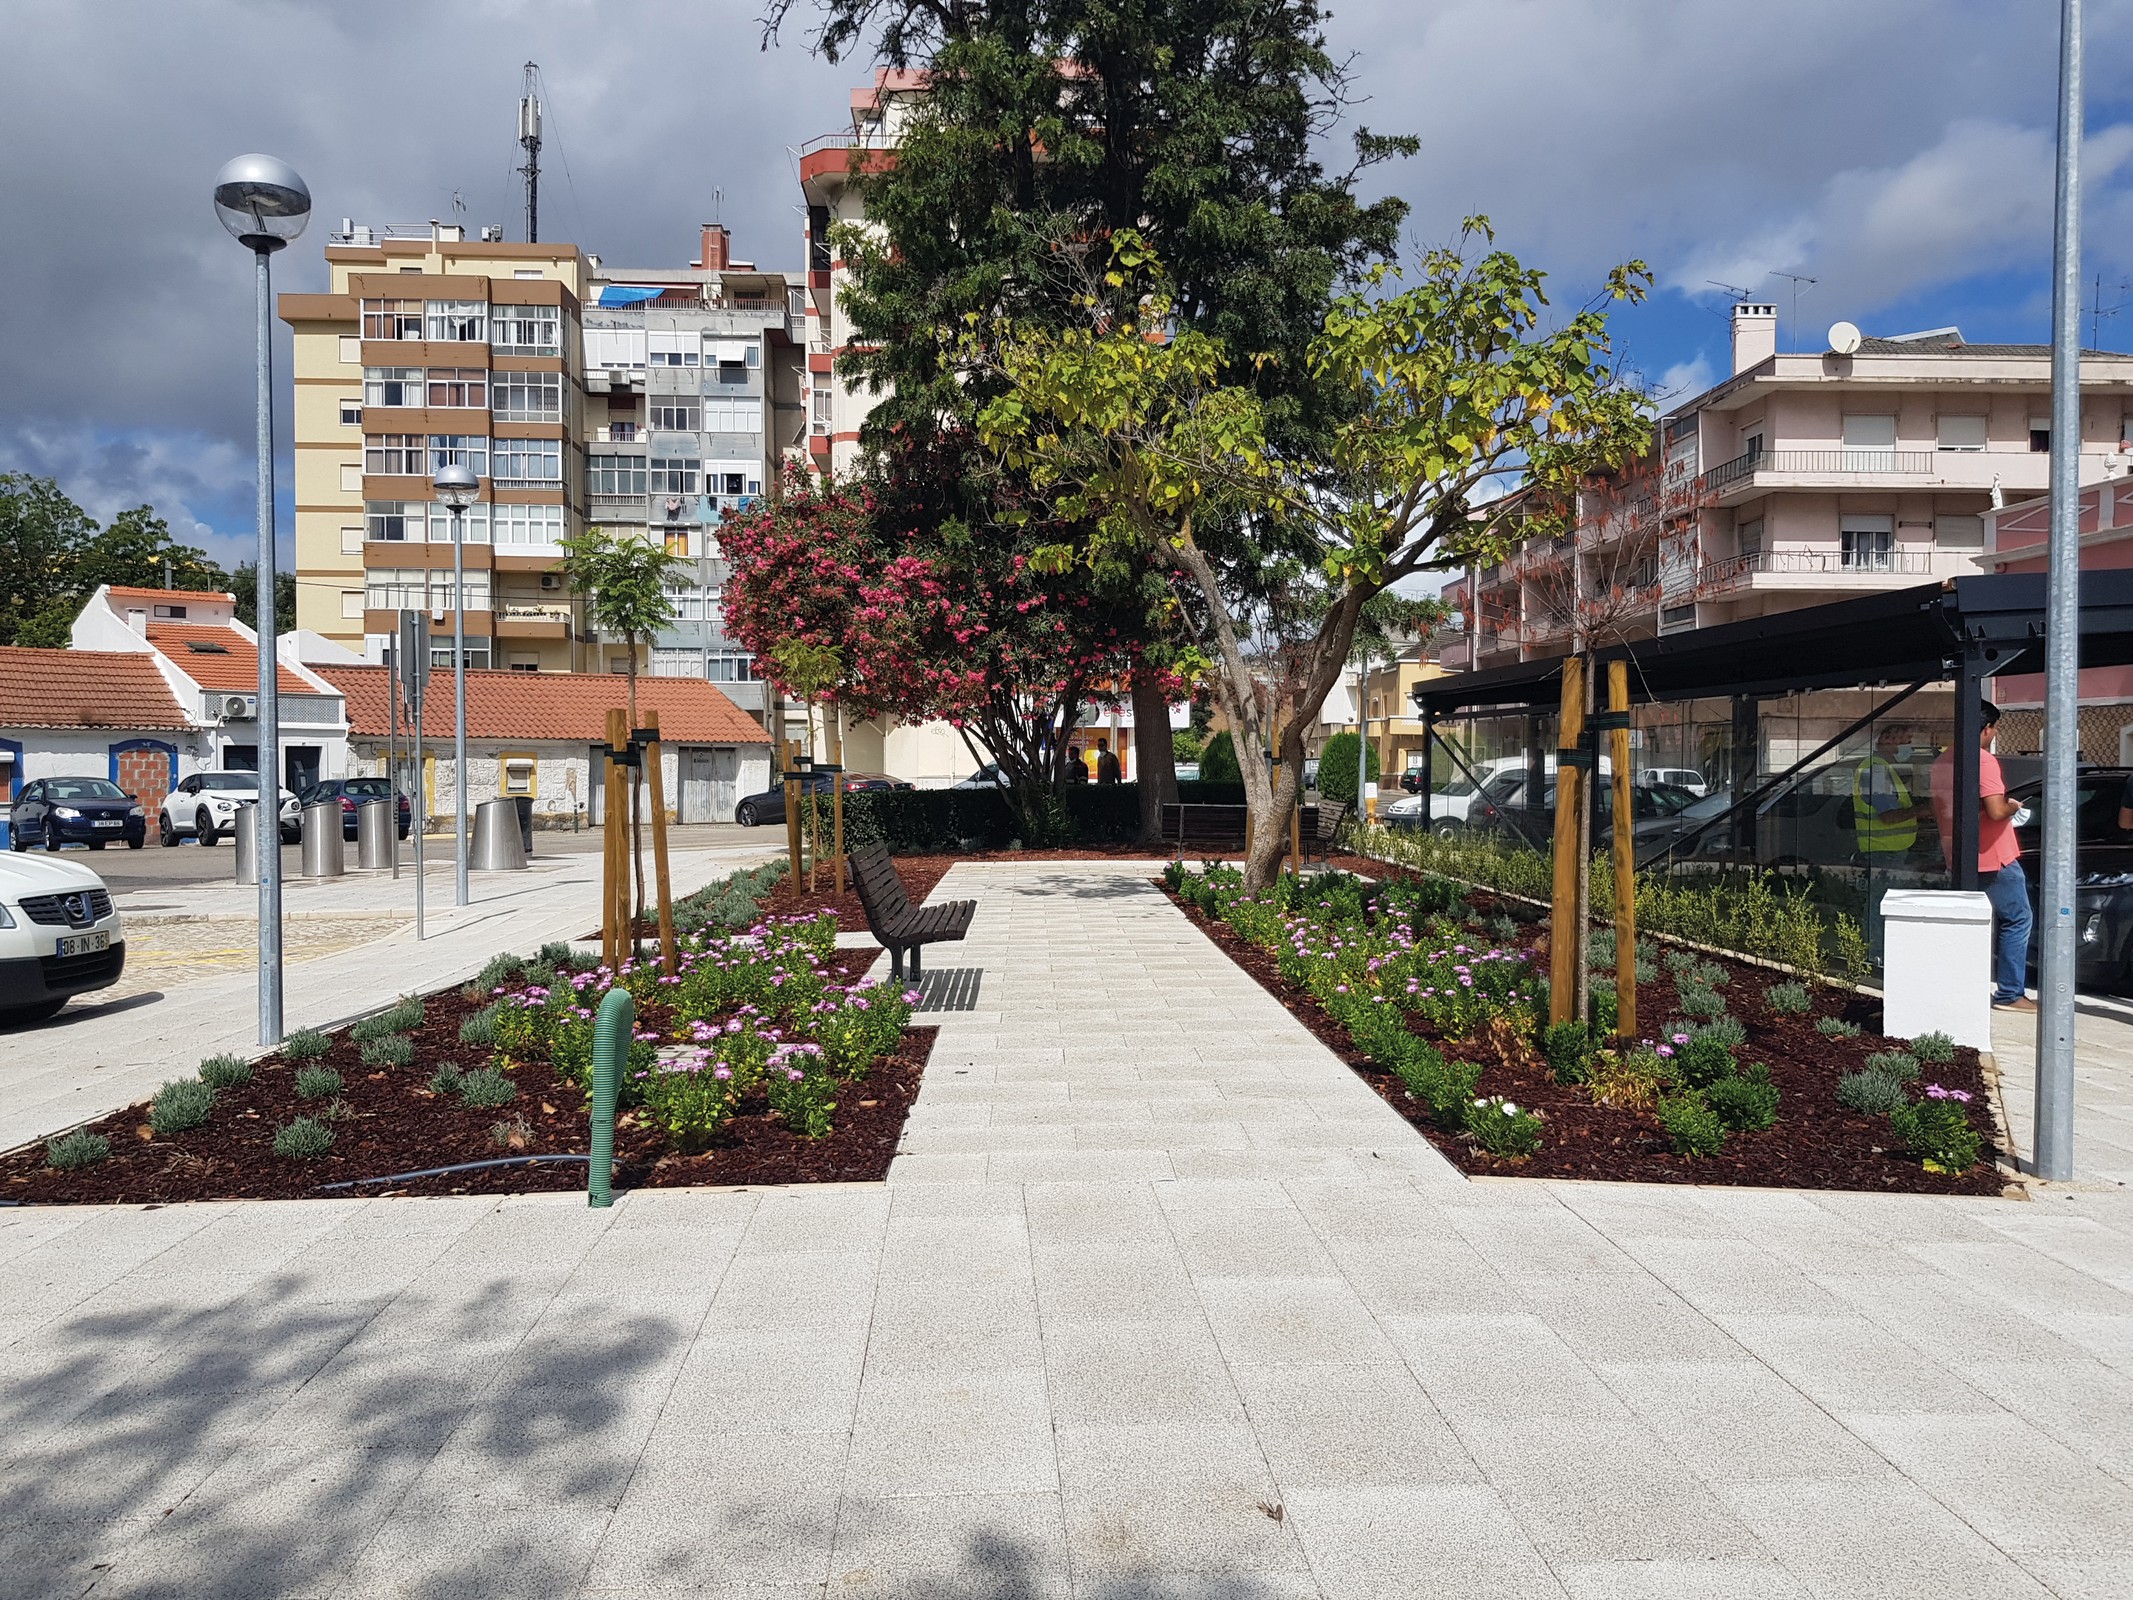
84, 944
112, 822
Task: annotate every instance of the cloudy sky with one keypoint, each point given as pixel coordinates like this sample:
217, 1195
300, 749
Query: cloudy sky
1897, 151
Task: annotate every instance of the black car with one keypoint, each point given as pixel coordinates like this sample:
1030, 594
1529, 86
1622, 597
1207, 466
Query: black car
352, 792
770, 804
2103, 875
55, 812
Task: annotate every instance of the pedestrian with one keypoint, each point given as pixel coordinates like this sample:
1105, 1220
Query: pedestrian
1077, 769
1999, 862
1107, 768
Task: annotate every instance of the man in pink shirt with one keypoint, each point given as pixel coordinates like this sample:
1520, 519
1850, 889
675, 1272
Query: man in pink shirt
1999, 862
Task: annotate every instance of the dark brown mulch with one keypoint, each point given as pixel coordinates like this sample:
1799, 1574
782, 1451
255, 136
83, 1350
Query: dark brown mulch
396, 1123
1815, 1144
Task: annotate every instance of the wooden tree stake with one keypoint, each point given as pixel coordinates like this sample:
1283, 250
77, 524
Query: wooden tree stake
669, 957
614, 824
1625, 859
1563, 952
792, 810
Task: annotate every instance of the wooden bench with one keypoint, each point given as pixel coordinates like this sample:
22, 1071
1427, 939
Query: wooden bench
894, 921
1331, 814
1222, 827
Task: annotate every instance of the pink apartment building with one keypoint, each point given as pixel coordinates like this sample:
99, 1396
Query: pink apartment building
2014, 542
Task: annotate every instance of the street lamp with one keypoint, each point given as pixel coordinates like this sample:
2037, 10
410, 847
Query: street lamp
264, 204
457, 487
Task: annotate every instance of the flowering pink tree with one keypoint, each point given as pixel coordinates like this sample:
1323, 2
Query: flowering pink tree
933, 622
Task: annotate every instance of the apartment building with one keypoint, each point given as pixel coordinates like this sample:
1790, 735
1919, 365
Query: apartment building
637, 399
1803, 478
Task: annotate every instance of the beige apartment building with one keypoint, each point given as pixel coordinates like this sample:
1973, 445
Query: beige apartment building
653, 401
1803, 478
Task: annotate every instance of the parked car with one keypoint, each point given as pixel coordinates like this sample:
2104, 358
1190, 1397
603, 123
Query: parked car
60, 811
204, 807
352, 792
60, 936
1680, 777
1502, 800
988, 776
1188, 772
2103, 875
1808, 826
760, 808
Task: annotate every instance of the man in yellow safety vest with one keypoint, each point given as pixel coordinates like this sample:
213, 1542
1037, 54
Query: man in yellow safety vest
1884, 816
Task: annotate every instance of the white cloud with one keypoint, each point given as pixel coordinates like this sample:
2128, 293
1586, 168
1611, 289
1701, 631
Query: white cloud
186, 476
1683, 380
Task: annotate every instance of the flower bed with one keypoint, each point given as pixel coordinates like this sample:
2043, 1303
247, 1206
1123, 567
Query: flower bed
768, 1057
1440, 1004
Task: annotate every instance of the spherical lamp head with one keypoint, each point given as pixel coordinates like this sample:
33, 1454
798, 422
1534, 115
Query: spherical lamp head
456, 485
261, 201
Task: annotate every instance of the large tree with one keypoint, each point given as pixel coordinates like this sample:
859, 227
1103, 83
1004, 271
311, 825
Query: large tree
1047, 124
53, 556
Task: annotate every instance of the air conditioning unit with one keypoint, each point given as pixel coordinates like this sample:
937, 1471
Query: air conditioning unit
551, 580
240, 707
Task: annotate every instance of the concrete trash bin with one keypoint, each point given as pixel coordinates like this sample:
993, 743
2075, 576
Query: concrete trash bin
497, 847
324, 856
374, 835
1937, 965
245, 836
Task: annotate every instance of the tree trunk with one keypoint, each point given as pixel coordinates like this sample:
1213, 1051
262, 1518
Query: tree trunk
1155, 764
1282, 788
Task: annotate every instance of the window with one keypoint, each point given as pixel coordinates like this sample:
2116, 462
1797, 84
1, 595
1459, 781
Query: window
822, 410
352, 412
474, 526
1751, 445
674, 475
351, 477
1962, 433
459, 449
525, 272
351, 350
614, 474
523, 663
393, 520
456, 321
732, 372
1959, 533
729, 667
618, 664
477, 654
526, 525
677, 413
515, 772
526, 330
2040, 435
818, 239
351, 605
392, 319
528, 461
734, 483
1868, 544
396, 589
392, 386
1748, 538
1870, 443
743, 416
459, 387
677, 543
477, 596
673, 349
395, 454
527, 396
351, 541
614, 349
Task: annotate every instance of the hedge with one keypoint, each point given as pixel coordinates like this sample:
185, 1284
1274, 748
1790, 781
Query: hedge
1336, 767
935, 821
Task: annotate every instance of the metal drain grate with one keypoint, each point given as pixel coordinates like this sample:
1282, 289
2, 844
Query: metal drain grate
949, 989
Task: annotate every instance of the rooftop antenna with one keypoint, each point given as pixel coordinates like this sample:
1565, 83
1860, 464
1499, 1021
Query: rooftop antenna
1797, 278
529, 136
718, 205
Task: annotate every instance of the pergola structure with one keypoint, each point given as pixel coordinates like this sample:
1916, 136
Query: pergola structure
1964, 630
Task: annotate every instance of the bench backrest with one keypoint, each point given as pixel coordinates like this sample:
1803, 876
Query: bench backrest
1331, 814
881, 890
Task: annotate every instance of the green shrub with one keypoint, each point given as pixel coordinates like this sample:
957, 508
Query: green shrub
1600, 950
1703, 1058
1447, 1085
1699, 1003
1691, 1125
1712, 976
502, 969
225, 1072
1218, 762
1747, 1101
1836, 1028
1606, 1011
306, 1044
486, 1087
1875, 1094
1503, 1128
1567, 1047
1728, 1031
80, 1148
391, 1050
1336, 767
371, 1029
180, 1104
446, 1079
313, 1083
480, 1028
302, 1139
1680, 961
1937, 1129
1895, 1064
1789, 999
1935, 1049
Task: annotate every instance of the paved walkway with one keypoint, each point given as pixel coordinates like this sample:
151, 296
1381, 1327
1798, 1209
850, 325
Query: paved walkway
111, 1049
1159, 1301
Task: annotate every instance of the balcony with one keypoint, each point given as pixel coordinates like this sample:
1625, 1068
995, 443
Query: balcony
1740, 572
533, 622
1742, 474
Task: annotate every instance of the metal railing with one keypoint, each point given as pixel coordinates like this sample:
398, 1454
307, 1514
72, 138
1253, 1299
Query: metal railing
1905, 463
1734, 571
850, 139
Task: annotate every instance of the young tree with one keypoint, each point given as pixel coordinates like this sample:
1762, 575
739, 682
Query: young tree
1451, 384
624, 581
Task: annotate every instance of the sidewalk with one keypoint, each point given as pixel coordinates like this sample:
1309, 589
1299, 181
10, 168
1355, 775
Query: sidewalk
1159, 1301
100, 1054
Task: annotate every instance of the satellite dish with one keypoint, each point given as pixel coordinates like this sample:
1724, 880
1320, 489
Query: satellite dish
1844, 338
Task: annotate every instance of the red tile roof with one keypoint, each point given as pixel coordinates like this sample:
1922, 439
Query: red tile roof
564, 706
84, 689
234, 667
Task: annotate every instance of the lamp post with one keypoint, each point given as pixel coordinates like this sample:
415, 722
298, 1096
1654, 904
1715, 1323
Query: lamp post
457, 486
264, 204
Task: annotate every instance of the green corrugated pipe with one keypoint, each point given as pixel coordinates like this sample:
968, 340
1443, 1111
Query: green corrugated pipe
612, 1030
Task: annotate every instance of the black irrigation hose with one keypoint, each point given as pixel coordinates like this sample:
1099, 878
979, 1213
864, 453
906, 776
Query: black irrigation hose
438, 1172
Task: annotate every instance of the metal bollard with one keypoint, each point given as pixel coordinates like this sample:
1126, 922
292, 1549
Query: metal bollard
497, 846
612, 1031
246, 839
323, 854
375, 844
